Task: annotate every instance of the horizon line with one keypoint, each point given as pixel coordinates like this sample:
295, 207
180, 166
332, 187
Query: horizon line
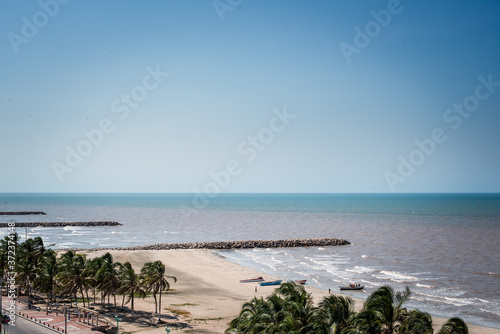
247, 193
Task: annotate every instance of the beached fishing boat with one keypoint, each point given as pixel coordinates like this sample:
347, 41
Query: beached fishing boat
300, 281
352, 287
251, 280
277, 282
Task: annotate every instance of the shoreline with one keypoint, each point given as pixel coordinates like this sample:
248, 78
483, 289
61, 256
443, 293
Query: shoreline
208, 294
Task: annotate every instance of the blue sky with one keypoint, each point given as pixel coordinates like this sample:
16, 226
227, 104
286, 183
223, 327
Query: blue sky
249, 96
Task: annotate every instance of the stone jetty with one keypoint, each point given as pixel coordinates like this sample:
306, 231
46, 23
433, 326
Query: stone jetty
235, 244
21, 213
61, 224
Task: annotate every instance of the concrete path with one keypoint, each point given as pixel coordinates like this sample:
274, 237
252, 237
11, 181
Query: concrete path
52, 321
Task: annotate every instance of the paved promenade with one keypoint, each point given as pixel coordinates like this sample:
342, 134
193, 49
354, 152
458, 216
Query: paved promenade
52, 321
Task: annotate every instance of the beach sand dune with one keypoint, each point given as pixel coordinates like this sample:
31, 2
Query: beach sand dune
207, 294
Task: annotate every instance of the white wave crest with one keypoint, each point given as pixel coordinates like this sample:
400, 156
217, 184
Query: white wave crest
396, 277
360, 270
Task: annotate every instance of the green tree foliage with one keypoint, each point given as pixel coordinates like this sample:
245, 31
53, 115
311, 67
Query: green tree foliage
155, 280
72, 274
46, 279
131, 285
107, 277
455, 326
290, 310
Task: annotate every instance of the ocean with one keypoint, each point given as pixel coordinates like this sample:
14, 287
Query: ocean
445, 247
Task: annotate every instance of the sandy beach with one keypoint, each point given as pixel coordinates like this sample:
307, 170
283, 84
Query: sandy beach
207, 294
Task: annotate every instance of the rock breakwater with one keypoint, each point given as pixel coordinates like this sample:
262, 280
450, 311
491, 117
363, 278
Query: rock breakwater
21, 213
61, 224
237, 244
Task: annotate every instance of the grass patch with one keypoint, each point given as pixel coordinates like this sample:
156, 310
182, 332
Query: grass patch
136, 295
148, 294
185, 304
177, 311
80, 300
169, 292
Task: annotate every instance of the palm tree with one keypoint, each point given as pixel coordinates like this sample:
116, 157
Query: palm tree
46, 280
145, 272
299, 310
255, 317
92, 266
288, 310
72, 275
26, 275
12, 241
131, 284
334, 314
417, 322
32, 250
155, 280
28, 258
387, 305
455, 326
107, 280
274, 313
366, 322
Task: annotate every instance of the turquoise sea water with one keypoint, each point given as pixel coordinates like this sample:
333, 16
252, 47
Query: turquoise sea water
445, 247
421, 204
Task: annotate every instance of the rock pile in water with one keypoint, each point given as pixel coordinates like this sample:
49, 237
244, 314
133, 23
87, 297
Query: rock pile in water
21, 213
237, 244
61, 224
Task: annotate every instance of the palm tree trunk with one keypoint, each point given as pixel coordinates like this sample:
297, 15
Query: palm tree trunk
132, 304
83, 295
88, 299
156, 304
159, 306
52, 289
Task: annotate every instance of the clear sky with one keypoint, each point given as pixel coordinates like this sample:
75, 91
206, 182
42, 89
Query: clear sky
250, 96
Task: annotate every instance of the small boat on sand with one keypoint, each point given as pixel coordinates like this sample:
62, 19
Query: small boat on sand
300, 281
277, 282
352, 287
252, 280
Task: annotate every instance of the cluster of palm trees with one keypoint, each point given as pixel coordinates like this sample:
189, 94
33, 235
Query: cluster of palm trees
69, 275
290, 310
